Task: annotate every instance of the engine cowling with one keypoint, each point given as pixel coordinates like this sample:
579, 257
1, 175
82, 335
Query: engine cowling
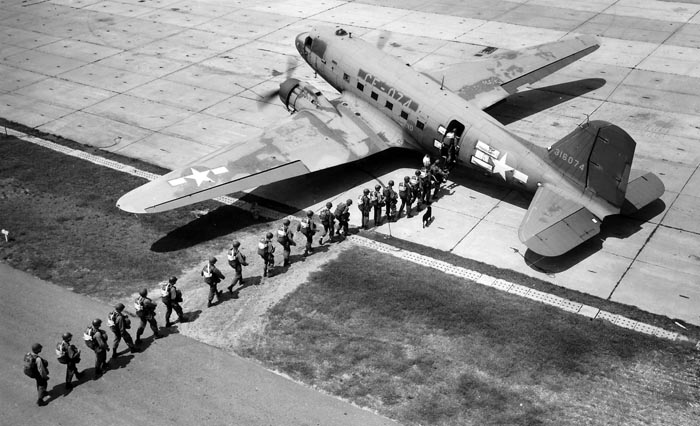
296, 95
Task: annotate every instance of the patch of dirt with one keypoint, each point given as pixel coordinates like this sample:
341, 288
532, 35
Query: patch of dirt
236, 322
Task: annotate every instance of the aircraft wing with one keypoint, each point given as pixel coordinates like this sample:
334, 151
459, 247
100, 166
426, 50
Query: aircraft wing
309, 140
487, 81
554, 224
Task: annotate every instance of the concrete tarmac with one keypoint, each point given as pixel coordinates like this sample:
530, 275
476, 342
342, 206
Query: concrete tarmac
167, 81
175, 380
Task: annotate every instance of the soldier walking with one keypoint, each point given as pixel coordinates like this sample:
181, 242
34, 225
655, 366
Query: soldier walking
327, 220
37, 368
307, 227
390, 198
416, 188
286, 239
146, 311
68, 354
267, 251
96, 339
172, 297
364, 206
212, 277
377, 201
405, 193
120, 324
237, 261
342, 213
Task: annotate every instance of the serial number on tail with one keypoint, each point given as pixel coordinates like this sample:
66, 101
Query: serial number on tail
568, 158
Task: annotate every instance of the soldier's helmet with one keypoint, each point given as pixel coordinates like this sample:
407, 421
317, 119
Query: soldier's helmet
377, 187
119, 307
212, 260
365, 191
172, 280
269, 235
286, 222
143, 293
36, 348
236, 244
329, 205
391, 183
97, 322
310, 213
417, 172
67, 336
348, 202
406, 178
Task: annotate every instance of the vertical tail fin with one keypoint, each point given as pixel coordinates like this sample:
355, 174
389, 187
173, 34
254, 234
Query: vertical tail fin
598, 156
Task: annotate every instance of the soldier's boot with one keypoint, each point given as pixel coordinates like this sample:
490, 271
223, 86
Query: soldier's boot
114, 353
138, 337
168, 323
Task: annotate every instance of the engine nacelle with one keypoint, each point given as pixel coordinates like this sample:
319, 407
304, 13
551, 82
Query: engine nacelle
296, 95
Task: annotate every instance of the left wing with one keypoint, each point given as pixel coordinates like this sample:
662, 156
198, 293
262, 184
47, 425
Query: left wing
484, 82
312, 139
554, 224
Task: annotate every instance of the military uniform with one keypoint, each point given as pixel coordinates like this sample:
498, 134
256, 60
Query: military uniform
119, 324
307, 227
377, 198
99, 345
327, 220
364, 206
172, 297
390, 198
426, 182
286, 239
40, 373
267, 251
342, 213
237, 261
405, 193
212, 277
70, 357
146, 311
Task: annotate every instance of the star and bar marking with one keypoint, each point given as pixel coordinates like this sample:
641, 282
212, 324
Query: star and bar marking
199, 176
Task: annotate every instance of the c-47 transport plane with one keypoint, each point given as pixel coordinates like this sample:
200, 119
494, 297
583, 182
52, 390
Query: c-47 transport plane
385, 103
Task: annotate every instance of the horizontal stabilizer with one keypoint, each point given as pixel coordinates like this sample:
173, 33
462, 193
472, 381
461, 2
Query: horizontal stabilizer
642, 189
554, 224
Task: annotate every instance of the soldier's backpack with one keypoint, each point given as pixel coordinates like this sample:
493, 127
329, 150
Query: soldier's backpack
325, 215
373, 198
112, 319
262, 248
282, 236
61, 354
360, 202
89, 338
402, 190
139, 306
339, 209
30, 365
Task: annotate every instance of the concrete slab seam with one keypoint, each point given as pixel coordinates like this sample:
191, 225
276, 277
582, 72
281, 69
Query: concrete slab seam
474, 276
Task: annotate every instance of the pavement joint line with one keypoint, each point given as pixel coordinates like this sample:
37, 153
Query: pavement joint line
473, 276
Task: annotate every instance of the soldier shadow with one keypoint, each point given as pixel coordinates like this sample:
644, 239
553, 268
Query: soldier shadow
192, 316
236, 294
616, 226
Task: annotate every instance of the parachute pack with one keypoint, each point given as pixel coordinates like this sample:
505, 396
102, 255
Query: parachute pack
30, 365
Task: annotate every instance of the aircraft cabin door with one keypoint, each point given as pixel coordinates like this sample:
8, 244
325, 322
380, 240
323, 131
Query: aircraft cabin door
449, 146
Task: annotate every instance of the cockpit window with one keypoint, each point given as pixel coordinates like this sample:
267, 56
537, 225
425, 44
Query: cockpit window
317, 46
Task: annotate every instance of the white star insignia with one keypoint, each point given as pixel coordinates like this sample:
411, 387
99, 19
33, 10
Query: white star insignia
200, 177
500, 166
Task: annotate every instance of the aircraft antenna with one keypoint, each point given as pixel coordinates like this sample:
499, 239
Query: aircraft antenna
588, 119
442, 83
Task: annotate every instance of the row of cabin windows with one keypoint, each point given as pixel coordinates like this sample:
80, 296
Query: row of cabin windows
388, 105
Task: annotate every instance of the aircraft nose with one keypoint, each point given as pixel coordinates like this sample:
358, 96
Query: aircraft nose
299, 42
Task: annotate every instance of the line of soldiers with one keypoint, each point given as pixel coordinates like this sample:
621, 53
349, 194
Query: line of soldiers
96, 338
422, 188
266, 247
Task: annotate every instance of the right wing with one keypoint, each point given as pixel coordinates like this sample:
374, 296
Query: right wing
310, 140
486, 81
554, 224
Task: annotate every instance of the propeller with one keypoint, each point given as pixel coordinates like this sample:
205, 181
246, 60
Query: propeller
267, 98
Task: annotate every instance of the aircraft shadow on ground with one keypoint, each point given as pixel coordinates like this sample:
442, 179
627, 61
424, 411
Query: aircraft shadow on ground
617, 226
524, 104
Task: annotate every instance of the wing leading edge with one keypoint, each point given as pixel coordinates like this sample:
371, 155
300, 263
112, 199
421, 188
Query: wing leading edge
306, 142
487, 81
